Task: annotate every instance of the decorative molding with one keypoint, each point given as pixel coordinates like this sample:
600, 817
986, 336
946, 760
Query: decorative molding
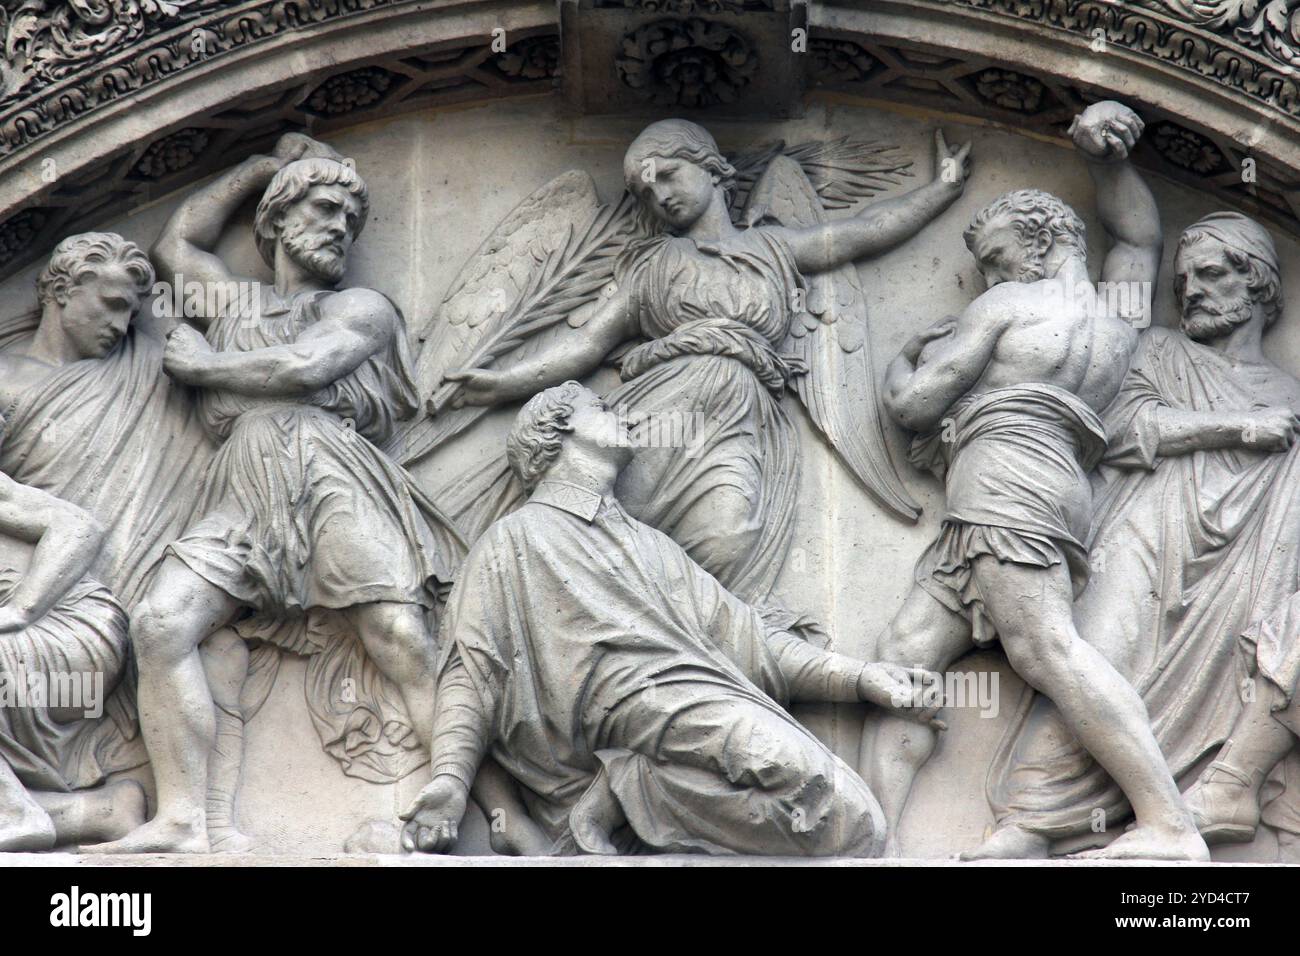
692, 63
686, 7
1260, 71
533, 58
160, 47
1269, 26
1009, 90
840, 61
1187, 149
172, 153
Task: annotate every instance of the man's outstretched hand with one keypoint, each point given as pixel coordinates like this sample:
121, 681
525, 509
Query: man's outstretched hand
906, 691
433, 819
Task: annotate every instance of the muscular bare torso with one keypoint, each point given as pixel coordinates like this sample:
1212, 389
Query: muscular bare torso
1051, 339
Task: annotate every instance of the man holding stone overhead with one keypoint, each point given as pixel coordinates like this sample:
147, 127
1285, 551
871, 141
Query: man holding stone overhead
1013, 389
300, 513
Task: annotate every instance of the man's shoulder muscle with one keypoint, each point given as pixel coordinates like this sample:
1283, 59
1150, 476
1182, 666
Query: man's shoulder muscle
363, 310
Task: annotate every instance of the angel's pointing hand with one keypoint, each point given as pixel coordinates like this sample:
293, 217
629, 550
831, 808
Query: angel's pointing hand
478, 386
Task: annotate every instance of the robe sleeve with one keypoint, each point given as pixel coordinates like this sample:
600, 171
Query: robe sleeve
814, 675
473, 677
462, 726
786, 668
1130, 420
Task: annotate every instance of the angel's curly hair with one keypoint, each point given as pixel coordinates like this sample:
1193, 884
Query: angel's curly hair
78, 256
678, 139
1029, 211
291, 183
539, 429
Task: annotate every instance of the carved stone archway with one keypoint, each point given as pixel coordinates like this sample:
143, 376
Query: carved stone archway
101, 113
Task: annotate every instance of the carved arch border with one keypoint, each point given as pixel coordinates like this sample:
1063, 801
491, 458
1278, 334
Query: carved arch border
153, 115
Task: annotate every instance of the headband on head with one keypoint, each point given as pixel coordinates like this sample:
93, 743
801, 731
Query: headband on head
1241, 233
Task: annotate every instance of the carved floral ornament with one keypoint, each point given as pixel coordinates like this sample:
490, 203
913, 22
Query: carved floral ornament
692, 63
46, 40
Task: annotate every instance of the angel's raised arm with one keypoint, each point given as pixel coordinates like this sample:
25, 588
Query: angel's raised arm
882, 225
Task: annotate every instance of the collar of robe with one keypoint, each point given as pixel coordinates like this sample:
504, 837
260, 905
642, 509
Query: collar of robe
576, 500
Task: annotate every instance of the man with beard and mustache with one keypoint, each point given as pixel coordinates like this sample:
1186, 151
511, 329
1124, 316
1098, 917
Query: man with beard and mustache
1193, 539
1013, 388
301, 515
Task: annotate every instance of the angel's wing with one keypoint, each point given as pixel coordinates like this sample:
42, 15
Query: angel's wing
839, 388
520, 291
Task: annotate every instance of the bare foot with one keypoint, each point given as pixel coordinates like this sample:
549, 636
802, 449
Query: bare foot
159, 835
1009, 843
1152, 843
595, 817
25, 828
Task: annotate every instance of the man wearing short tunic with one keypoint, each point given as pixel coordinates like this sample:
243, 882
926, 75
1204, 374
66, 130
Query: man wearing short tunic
1013, 387
638, 703
300, 510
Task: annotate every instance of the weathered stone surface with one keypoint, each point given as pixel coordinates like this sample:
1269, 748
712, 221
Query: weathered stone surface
338, 437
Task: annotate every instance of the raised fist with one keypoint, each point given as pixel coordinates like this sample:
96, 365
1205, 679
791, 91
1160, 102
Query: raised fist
1106, 131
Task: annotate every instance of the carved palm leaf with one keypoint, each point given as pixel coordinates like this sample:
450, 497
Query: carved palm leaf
830, 336
842, 171
520, 291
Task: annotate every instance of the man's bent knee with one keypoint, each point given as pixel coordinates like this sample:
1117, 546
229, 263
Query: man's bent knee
162, 631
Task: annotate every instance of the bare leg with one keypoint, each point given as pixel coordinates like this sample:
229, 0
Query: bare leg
105, 813
1225, 800
401, 645
926, 634
510, 828
1032, 611
24, 826
178, 612
225, 662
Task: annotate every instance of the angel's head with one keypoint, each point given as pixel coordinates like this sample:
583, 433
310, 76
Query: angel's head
313, 210
1024, 236
676, 170
567, 422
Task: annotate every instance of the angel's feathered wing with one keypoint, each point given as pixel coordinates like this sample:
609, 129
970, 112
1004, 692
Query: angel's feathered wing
519, 292
839, 389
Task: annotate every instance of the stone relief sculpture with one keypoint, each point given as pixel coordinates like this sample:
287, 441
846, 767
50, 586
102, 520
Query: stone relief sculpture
615, 673
92, 418
300, 516
1192, 533
1012, 390
711, 323
636, 700
59, 629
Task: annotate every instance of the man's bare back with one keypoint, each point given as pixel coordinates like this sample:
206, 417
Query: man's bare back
1050, 338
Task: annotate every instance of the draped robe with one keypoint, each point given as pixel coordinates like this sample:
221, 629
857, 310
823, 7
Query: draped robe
1187, 552
584, 642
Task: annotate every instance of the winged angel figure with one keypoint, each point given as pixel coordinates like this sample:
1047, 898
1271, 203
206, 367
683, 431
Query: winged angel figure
712, 323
